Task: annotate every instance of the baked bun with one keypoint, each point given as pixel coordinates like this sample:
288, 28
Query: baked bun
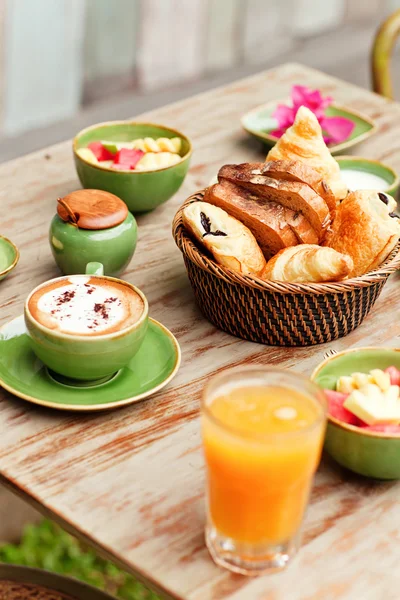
230, 242
365, 229
297, 196
304, 141
308, 264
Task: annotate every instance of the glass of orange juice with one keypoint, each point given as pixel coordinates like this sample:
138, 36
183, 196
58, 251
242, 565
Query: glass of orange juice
262, 430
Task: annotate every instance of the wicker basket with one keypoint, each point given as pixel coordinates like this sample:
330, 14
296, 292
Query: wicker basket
274, 313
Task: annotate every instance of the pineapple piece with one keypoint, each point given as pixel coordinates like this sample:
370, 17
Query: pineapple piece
373, 406
360, 379
345, 384
381, 379
87, 154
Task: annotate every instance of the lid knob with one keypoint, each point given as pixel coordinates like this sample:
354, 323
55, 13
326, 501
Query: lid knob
92, 209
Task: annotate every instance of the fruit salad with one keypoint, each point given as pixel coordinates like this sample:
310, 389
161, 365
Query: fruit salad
144, 154
370, 401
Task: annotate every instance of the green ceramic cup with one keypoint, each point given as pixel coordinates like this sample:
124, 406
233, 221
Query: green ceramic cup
86, 360
370, 453
73, 248
142, 191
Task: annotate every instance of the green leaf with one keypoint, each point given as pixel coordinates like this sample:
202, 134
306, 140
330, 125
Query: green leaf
47, 546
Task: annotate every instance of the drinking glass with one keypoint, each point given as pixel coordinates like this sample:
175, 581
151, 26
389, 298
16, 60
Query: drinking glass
263, 430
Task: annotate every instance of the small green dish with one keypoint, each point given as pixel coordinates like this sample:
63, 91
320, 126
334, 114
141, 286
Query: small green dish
370, 453
373, 167
142, 191
259, 123
9, 256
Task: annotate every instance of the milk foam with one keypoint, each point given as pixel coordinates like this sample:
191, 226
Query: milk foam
83, 308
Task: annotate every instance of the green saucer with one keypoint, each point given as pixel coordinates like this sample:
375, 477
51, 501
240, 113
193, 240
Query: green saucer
9, 256
25, 376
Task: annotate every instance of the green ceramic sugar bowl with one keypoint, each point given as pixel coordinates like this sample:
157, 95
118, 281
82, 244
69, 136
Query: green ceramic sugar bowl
370, 452
92, 226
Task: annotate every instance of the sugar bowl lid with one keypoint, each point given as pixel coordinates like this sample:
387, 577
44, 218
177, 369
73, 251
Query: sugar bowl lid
92, 209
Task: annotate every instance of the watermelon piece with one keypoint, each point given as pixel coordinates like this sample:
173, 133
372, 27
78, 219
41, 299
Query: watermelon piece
128, 158
100, 152
115, 146
394, 375
393, 429
337, 410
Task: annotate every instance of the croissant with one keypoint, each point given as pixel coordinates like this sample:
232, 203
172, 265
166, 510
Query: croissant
230, 242
304, 141
308, 263
365, 229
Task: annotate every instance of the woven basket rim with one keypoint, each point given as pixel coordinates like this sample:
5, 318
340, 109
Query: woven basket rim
197, 256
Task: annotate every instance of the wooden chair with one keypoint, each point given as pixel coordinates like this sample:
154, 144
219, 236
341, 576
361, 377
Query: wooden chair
382, 49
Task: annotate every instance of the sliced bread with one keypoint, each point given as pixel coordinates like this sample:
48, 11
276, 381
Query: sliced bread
293, 170
297, 196
273, 225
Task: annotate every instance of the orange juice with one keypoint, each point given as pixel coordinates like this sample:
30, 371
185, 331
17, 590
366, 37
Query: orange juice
262, 445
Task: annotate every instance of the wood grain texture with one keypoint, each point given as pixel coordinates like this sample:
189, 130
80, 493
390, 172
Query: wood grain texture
131, 482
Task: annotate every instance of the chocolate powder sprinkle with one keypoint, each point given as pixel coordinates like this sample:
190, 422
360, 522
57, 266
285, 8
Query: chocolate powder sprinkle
65, 297
102, 309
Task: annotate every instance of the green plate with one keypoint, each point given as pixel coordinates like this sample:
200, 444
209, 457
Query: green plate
25, 376
259, 123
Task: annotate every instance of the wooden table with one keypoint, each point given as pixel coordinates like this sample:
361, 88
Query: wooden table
131, 482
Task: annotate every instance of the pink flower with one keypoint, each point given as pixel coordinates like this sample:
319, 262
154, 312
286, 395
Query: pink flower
302, 96
335, 129
285, 115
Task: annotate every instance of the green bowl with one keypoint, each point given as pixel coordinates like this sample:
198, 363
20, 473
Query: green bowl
142, 191
9, 257
370, 453
375, 167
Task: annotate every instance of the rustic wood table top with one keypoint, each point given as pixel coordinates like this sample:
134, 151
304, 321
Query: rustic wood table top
131, 482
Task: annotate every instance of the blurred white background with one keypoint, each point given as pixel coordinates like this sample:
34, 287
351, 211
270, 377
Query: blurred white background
69, 63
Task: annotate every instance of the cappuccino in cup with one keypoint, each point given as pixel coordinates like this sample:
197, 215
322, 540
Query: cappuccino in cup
86, 327
86, 306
